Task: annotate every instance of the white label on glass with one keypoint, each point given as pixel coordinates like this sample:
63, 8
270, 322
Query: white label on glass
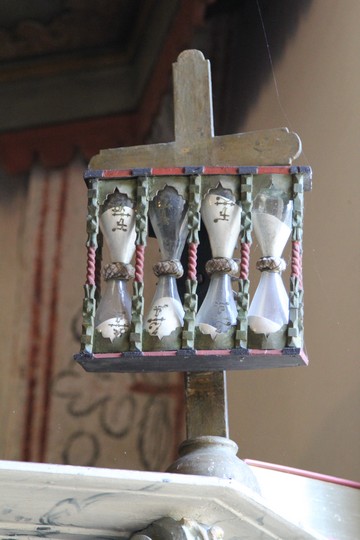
222, 220
118, 226
165, 316
114, 328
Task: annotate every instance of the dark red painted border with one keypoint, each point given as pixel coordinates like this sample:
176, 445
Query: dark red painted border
51, 333
35, 326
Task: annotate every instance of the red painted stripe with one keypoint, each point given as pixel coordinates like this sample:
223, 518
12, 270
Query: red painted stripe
115, 173
205, 352
304, 357
268, 352
305, 474
35, 327
274, 170
212, 352
164, 171
159, 353
221, 170
176, 171
50, 345
107, 355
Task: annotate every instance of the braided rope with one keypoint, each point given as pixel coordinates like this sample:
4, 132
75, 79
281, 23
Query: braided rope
222, 265
118, 270
271, 264
168, 268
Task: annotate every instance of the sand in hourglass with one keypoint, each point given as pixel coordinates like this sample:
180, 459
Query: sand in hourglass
271, 232
113, 316
269, 310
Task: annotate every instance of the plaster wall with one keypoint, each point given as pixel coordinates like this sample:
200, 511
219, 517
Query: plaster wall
309, 417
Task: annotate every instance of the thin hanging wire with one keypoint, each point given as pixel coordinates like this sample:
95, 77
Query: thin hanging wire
273, 74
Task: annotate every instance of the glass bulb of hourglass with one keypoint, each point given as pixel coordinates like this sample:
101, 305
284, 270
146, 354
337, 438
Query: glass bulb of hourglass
222, 219
168, 216
269, 309
166, 312
218, 312
272, 223
113, 315
117, 223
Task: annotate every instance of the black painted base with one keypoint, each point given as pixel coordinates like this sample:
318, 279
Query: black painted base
191, 360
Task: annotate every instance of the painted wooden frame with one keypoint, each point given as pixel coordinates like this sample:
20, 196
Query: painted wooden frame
190, 354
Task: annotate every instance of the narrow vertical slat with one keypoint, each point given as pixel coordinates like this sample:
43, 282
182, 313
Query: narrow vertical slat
89, 303
191, 299
137, 314
295, 326
241, 336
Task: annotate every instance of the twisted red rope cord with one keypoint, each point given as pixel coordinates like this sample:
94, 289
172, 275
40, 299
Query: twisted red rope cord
245, 261
91, 265
296, 262
192, 261
139, 263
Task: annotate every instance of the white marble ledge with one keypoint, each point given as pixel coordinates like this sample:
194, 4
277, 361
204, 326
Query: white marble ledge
66, 502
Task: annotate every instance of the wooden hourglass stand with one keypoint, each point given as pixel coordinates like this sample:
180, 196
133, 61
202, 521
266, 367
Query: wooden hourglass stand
229, 185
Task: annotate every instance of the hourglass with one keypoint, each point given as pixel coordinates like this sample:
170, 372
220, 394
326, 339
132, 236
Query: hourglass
269, 310
221, 215
117, 222
168, 217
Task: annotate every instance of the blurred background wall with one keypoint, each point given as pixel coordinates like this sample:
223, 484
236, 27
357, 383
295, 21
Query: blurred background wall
309, 417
